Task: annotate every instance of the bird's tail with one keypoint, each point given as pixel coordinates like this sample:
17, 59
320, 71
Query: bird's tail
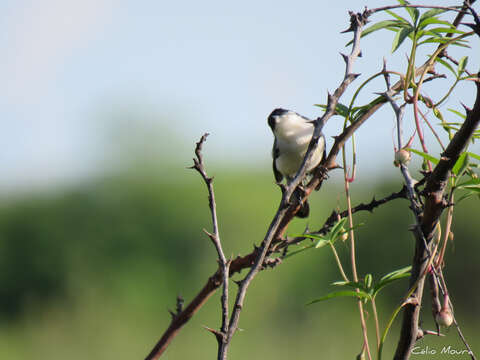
304, 210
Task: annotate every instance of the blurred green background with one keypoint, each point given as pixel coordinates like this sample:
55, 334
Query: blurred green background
90, 271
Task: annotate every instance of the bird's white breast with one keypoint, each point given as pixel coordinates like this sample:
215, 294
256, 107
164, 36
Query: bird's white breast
292, 139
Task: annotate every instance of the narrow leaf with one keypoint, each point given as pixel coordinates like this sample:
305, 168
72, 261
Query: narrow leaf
359, 294
442, 40
400, 37
438, 114
321, 243
381, 25
386, 282
463, 116
428, 16
342, 110
403, 270
462, 64
464, 196
290, 254
386, 24
413, 12
469, 182
447, 65
448, 30
475, 156
475, 189
398, 17
461, 164
338, 228
353, 284
425, 156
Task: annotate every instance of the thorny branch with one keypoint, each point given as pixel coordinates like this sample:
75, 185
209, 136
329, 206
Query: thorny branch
257, 258
215, 237
427, 217
357, 22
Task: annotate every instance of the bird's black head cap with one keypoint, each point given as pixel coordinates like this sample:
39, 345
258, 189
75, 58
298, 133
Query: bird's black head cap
273, 115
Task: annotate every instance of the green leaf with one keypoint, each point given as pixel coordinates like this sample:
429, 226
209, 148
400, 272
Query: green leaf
428, 18
321, 243
342, 110
438, 114
475, 156
391, 277
443, 40
384, 283
337, 229
394, 273
368, 281
359, 295
447, 65
398, 17
463, 116
425, 156
290, 254
462, 64
464, 196
413, 12
381, 25
447, 30
475, 189
461, 164
400, 37
469, 182
353, 284
386, 24
449, 127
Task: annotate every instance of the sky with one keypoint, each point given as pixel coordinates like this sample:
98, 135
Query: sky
87, 84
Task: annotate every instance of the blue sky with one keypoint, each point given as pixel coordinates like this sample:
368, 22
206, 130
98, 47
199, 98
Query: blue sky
85, 83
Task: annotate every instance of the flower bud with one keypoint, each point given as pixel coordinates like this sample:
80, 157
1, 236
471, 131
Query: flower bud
402, 157
444, 317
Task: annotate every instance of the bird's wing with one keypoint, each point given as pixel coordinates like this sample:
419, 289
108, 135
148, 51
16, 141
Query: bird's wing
324, 147
275, 154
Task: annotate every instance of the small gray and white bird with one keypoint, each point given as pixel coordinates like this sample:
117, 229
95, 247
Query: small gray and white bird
292, 133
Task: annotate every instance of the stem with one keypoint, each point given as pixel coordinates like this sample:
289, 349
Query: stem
352, 254
339, 263
404, 302
432, 130
375, 316
447, 94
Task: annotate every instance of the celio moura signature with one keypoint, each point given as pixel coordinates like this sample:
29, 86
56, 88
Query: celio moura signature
418, 350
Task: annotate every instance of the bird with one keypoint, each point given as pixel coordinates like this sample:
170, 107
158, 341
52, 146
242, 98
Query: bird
292, 133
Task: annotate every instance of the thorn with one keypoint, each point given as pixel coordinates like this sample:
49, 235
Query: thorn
217, 334
467, 109
475, 27
238, 282
210, 235
345, 57
430, 332
355, 76
172, 314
